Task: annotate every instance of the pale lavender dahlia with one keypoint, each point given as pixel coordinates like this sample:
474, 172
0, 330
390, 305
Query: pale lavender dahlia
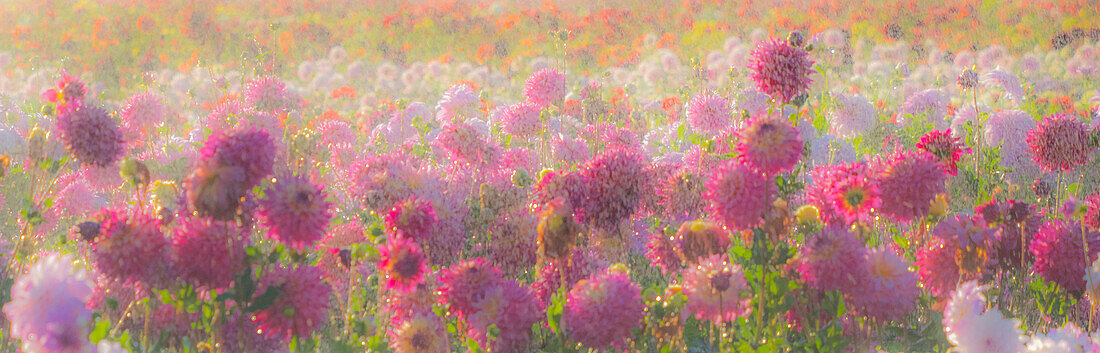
47, 309
571, 151
779, 69
458, 103
142, 114
545, 87
1059, 143
709, 114
465, 145
853, 116
738, 196
833, 259
889, 292
714, 289
208, 254
769, 146
908, 182
268, 94
296, 211
300, 308
91, 135
603, 310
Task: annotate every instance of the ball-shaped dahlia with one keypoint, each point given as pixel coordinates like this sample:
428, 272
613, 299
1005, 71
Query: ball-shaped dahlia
465, 145
142, 114
849, 189
769, 146
571, 151
853, 116
91, 135
131, 248
714, 290
47, 309
616, 181
779, 69
945, 147
253, 151
544, 87
422, 333
301, 306
889, 292
403, 264
908, 183
465, 283
603, 310
207, 254
296, 211
521, 120
833, 260
738, 196
1059, 143
1060, 253
268, 94
458, 102
412, 218
709, 114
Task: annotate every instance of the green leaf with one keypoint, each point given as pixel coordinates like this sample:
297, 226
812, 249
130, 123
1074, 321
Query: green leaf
265, 300
100, 331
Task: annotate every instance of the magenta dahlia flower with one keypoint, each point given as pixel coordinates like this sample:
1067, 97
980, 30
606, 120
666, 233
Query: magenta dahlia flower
616, 180
945, 147
714, 290
131, 248
412, 218
69, 91
603, 310
738, 196
301, 306
662, 252
512, 308
252, 151
849, 189
1060, 142
769, 145
680, 194
296, 211
889, 292
833, 260
47, 309
403, 264
545, 87
90, 134
1060, 253
908, 183
779, 69
208, 254
464, 284
709, 114
521, 120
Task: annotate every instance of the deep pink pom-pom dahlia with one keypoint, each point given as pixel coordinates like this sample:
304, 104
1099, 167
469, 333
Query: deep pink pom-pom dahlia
779, 69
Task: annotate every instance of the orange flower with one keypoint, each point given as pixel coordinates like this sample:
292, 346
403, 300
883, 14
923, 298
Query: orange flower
344, 92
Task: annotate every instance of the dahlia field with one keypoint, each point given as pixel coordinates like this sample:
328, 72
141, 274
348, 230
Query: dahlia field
561, 176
